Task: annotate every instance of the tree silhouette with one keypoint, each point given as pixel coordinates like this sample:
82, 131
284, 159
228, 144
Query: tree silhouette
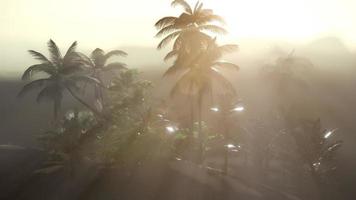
198, 18
287, 71
188, 30
200, 77
62, 74
317, 150
98, 63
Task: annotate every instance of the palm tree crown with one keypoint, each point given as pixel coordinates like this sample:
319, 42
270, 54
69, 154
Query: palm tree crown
199, 80
98, 63
98, 60
204, 71
187, 29
62, 74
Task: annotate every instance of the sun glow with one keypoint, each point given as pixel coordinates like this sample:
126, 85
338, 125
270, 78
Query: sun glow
282, 19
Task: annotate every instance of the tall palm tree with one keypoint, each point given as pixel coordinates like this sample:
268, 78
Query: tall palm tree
98, 63
62, 73
198, 17
188, 30
199, 79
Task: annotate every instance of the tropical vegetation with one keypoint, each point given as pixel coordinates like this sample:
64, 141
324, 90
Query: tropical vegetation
116, 122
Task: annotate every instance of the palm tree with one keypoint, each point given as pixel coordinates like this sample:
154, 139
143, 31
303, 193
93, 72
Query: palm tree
187, 30
97, 62
290, 77
62, 74
199, 79
288, 70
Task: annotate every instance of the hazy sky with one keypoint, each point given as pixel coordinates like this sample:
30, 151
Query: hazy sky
112, 23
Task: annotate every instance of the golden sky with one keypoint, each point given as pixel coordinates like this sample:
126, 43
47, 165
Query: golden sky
131, 21
114, 23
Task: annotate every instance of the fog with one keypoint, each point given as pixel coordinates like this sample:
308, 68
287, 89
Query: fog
111, 24
133, 133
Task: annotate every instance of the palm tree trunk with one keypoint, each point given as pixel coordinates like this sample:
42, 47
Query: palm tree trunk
200, 131
192, 115
83, 102
227, 139
56, 109
318, 182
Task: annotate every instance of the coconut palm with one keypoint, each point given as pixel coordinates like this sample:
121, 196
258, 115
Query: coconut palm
289, 78
288, 70
188, 30
201, 77
198, 17
61, 73
98, 63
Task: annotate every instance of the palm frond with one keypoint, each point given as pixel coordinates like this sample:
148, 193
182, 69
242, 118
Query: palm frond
170, 55
198, 7
115, 53
55, 53
227, 65
184, 20
210, 18
167, 39
49, 92
165, 21
178, 43
39, 56
228, 48
71, 69
185, 82
173, 70
85, 79
72, 83
220, 79
334, 146
71, 57
206, 12
184, 4
166, 29
32, 85
85, 60
46, 68
97, 52
115, 66
71, 49
212, 28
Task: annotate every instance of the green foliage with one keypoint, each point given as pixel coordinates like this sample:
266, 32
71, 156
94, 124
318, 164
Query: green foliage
97, 64
197, 56
63, 144
290, 78
65, 138
134, 133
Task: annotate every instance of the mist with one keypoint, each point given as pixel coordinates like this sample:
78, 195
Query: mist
248, 100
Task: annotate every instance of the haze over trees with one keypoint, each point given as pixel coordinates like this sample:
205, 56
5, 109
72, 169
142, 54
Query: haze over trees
62, 75
206, 137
